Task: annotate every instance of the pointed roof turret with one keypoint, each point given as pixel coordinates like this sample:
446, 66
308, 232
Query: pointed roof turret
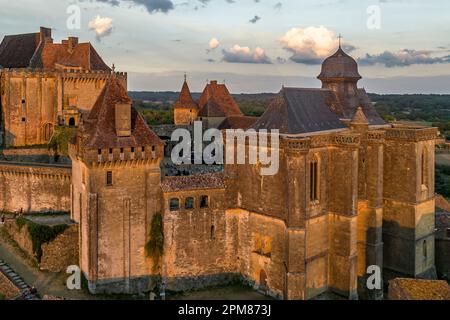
359, 117
185, 100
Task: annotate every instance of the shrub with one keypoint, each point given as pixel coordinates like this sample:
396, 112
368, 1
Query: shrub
155, 245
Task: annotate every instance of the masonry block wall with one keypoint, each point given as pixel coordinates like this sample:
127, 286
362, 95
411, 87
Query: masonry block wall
33, 101
39, 188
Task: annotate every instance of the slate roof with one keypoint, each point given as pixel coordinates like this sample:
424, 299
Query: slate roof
16, 51
298, 110
237, 122
216, 101
339, 65
99, 131
198, 182
185, 100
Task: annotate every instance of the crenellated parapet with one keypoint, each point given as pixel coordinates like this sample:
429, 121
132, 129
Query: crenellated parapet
38, 170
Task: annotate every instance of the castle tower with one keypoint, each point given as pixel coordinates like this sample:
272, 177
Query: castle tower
115, 192
370, 202
409, 202
185, 108
340, 75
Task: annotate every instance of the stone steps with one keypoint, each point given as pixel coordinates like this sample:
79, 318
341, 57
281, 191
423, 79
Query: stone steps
18, 282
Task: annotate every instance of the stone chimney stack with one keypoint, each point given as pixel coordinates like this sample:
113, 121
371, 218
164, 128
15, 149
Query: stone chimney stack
72, 43
46, 35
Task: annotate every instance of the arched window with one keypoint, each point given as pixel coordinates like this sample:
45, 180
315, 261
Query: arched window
189, 203
48, 131
424, 168
174, 204
314, 181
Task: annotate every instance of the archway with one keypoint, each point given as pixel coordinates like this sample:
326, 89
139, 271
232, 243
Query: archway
72, 122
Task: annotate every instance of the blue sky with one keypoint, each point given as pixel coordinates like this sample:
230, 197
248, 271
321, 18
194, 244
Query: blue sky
259, 45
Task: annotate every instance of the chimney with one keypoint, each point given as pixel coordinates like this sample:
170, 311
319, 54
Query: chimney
45, 35
123, 119
72, 43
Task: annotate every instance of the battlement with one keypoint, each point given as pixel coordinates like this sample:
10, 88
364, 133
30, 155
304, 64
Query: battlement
67, 74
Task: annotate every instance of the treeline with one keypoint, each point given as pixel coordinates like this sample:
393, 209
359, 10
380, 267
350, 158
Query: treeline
432, 109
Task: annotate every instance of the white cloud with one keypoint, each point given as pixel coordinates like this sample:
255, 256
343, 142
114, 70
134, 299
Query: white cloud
238, 54
214, 43
309, 45
101, 26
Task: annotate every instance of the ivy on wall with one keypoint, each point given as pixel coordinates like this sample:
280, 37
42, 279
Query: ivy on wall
60, 140
155, 245
40, 234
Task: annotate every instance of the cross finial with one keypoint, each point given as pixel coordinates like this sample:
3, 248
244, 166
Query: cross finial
114, 67
340, 39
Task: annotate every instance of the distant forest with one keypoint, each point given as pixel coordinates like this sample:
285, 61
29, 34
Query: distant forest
428, 109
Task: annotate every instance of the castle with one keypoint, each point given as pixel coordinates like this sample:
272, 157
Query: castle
352, 191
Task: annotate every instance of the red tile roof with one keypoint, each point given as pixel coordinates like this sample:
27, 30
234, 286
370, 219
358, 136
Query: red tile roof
37, 50
99, 130
186, 183
216, 101
185, 99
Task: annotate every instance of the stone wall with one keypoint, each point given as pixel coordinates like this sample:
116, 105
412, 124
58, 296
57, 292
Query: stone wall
7, 288
33, 101
57, 255
61, 252
34, 188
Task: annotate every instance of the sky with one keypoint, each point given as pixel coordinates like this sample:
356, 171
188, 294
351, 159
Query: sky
402, 46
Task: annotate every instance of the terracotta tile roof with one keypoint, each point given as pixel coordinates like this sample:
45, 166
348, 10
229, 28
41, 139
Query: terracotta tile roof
98, 130
216, 101
298, 110
37, 50
16, 51
185, 99
237, 122
186, 183
82, 55
415, 289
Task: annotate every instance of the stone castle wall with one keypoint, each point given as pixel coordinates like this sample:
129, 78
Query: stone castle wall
33, 101
57, 255
34, 188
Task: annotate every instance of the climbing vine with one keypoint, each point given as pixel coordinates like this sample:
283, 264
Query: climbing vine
60, 140
155, 245
40, 234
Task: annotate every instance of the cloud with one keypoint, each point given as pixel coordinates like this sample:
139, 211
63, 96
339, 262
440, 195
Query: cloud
213, 44
102, 26
152, 6
255, 19
238, 54
278, 6
402, 58
310, 45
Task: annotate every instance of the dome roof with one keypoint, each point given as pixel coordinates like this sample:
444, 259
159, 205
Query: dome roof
339, 65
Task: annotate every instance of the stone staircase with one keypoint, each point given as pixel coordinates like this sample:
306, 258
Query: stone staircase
18, 282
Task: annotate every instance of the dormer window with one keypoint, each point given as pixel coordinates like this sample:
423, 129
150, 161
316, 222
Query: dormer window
123, 120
